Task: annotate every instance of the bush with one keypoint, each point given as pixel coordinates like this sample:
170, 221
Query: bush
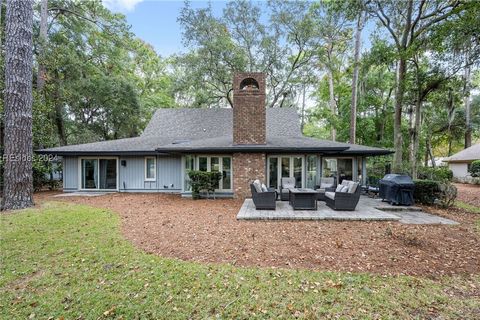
435, 174
475, 168
447, 194
203, 181
426, 191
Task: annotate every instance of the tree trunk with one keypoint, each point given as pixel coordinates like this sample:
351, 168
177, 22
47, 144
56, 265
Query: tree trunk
58, 112
333, 105
397, 123
303, 107
466, 102
353, 108
1, 29
18, 191
43, 40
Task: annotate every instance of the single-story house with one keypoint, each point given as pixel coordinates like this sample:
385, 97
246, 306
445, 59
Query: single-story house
246, 142
460, 162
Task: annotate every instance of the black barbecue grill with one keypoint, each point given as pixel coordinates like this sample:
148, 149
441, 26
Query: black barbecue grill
397, 189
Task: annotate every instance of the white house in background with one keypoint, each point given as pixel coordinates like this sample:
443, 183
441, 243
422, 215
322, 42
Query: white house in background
460, 162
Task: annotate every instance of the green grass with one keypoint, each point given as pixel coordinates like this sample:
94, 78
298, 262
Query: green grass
70, 261
467, 206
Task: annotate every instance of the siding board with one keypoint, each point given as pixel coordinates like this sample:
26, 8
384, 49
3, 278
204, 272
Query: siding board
70, 173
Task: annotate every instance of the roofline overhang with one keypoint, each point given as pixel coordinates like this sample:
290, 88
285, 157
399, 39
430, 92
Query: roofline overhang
93, 153
263, 148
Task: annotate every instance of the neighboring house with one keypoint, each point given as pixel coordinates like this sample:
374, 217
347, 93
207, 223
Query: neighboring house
460, 162
244, 143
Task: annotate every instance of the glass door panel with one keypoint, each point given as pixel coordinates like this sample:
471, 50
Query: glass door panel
203, 163
297, 171
215, 167
89, 173
345, 169
226, 174
108, 174
311, 172
189, 165
273, 173
285, 173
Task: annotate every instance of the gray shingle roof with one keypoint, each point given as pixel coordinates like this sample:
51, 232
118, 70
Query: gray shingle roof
210, 130
470, 154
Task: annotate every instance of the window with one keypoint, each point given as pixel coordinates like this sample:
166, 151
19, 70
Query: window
98, 173
189, 165
150, 172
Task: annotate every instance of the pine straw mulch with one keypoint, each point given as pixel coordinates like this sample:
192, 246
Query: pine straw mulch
207, 231
468, 193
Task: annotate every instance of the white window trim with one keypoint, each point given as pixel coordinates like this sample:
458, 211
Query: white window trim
98, 161
154, 171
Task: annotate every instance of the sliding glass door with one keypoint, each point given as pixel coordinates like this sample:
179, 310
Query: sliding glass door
98, 174
339, 168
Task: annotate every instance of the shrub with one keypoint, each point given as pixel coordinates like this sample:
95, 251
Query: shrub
436, 174
475, 168
447, 194
203, 181
426, 191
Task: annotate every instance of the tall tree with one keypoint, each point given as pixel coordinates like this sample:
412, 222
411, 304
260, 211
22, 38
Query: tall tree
43, 41
407, 23
18, 181
356, 59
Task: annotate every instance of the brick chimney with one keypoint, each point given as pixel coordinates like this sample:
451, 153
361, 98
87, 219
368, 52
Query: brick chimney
249, 123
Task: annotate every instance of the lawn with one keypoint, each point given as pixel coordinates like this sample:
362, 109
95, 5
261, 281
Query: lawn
70, 261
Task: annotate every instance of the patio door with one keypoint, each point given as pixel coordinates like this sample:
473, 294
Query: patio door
285, 167
221, 164
98, 174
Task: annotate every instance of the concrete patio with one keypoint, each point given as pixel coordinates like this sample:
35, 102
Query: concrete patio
368, 209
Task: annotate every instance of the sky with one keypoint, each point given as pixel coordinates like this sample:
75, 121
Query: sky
155, 21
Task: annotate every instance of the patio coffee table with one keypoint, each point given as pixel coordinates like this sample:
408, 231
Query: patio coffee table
302, 198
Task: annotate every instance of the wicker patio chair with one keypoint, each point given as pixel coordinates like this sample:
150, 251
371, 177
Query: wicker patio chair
265, 200
343, 200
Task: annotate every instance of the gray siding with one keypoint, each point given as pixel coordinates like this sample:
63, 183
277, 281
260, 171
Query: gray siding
132, 176
70, 173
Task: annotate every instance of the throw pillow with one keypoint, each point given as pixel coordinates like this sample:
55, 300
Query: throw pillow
339, 188
345, 189
257, 185
352, 187
264, 188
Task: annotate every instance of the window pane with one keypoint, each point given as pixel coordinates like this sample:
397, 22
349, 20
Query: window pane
89, 174
311, 171
285, 167
226, 174
150, 168
297, 171
202, 164
359, 171
108, 174
273, 173
215, 167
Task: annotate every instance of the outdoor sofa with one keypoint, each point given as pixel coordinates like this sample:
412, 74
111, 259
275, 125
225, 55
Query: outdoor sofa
326, 184
263, 198
345, 196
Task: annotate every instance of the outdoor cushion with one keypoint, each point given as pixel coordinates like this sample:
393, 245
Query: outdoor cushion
345, 182
344, 189
288, 183
264, 187
352, 187
339, 188
257, 185
330, 194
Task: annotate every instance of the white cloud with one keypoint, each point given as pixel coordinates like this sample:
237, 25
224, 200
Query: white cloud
121, 5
